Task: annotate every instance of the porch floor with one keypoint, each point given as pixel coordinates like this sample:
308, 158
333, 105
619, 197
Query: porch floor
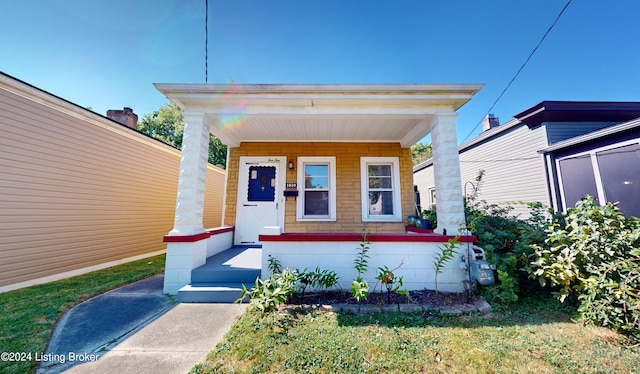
220, 280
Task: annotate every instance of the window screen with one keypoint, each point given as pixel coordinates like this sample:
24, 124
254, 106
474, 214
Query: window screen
620, 175
577, 179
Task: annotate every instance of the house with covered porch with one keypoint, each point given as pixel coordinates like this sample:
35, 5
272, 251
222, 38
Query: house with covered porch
309, 169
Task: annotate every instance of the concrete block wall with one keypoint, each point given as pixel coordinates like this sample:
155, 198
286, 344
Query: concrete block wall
417, 270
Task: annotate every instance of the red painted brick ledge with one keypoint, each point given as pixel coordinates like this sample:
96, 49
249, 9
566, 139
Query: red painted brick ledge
352, 237
197, 237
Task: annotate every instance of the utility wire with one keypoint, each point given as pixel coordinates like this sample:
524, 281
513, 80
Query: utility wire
206, 42
519, 70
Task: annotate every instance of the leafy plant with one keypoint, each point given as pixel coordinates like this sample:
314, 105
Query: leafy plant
360, 289
267, 295
446, 254
274, 266
359, 286
595, 255
319, 278
391, 282
430, 215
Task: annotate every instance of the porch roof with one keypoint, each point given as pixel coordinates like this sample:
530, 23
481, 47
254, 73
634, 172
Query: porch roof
319, 112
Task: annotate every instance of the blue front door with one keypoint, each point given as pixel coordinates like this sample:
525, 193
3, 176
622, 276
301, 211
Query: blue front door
258, 199
262, 183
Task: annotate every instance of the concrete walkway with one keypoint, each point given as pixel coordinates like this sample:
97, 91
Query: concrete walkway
136, 329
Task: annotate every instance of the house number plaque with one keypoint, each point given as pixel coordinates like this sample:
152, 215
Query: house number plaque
292, 185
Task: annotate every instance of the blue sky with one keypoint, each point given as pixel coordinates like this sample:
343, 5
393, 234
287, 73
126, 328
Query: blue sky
106, 54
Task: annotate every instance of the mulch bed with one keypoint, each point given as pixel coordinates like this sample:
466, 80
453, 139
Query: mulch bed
425, 297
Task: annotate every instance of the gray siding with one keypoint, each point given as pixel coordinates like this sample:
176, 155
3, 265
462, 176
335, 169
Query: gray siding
514, 171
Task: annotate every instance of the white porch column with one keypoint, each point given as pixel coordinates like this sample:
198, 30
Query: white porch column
185, 255
193, 176
446, 167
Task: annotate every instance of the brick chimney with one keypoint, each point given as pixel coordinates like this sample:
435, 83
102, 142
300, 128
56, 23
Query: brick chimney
489, 122
125, 116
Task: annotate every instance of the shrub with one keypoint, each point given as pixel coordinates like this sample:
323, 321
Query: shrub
596, 256
507, 242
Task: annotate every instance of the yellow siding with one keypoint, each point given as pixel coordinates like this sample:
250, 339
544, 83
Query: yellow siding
348, 198
77, 190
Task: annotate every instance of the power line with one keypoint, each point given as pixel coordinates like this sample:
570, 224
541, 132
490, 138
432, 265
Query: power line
519, 70
206, 42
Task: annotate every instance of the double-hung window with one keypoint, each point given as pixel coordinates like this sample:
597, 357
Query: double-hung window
380, 177
317, 185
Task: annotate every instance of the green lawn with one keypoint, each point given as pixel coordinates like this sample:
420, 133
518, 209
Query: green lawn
27, 315
535, 336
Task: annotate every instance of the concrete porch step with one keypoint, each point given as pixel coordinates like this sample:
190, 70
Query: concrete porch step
211, 275
220, 280
211, 292
238, 264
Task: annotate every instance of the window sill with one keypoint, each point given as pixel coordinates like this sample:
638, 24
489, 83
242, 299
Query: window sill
313, 219
382, 219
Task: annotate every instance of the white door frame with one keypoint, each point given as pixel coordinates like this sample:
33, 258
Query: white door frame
243, 174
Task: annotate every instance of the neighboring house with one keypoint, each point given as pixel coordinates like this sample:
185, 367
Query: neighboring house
79, 191
309, 168
514, 169
604, 164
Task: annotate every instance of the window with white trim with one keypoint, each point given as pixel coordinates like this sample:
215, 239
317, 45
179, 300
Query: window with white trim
380, 178
317, 185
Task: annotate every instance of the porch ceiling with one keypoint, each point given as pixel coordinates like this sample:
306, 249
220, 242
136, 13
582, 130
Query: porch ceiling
353, 113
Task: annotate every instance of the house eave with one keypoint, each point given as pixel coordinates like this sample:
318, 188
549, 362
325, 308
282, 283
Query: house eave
578, 111
594, 135
314, 112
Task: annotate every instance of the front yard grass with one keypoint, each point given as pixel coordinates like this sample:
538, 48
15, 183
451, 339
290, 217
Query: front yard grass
535, 336
27, 315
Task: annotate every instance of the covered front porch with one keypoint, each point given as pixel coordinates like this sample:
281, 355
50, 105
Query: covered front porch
309, 166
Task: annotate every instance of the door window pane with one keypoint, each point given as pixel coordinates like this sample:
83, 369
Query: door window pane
620, 175
577, 179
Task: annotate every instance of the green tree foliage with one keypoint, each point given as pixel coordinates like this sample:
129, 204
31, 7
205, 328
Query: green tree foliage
596, 256
420, 152
167, 125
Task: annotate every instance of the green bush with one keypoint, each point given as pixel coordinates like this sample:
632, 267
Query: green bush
267, 295
596, 256
507, 241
